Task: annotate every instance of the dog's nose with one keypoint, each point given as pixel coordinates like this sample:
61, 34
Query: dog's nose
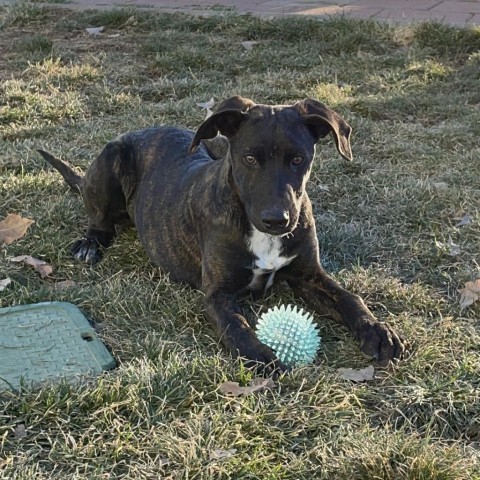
275, 220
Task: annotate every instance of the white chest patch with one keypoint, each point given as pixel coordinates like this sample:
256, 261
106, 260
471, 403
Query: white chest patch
266, 249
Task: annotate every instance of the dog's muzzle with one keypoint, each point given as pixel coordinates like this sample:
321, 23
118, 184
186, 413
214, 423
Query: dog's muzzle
276, 222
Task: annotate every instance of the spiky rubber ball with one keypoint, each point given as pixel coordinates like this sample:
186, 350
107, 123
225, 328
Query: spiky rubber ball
290, 333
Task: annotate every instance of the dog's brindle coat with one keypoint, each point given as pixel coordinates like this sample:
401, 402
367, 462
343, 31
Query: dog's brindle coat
228, 225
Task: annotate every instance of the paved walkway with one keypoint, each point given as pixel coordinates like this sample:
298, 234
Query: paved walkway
454, 12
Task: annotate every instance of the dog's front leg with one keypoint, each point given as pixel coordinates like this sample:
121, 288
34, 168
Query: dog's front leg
236, 334
326, 297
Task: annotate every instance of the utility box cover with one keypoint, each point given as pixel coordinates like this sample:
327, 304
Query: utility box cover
48, 341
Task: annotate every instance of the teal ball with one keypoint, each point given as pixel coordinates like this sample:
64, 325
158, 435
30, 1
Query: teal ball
290, 333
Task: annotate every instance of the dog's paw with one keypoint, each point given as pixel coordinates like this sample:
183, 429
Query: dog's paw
86, 250
380, 342
262, 359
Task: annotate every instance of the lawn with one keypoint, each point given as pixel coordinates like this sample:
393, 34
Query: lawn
400, 225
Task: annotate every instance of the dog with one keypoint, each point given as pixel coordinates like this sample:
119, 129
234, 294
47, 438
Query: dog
232, 222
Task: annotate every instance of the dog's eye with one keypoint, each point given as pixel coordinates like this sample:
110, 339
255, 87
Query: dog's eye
249, 159
298, 160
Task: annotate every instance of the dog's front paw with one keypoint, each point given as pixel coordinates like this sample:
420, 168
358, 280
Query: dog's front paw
379, 341
86, 250
261, 358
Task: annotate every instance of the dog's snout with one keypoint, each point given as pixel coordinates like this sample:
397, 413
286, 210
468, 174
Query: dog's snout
275, 219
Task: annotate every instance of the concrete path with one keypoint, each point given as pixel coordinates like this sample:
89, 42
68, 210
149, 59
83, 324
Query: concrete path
454, 12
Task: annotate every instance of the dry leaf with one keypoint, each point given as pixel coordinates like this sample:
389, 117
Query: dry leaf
218, 454
260, 383
14, 227
95, 30
65, 284
464, 220
453, 248
5, 283
234, 389
449, 248
248, 45
20, 431
357, 375
43, 268
208, 106
470, 294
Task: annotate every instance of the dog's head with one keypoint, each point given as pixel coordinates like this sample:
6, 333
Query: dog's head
271, 153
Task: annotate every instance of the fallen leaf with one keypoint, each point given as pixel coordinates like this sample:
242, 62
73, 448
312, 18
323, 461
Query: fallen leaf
95, 30
357, 375
453, 248
208, 106
234, 389
221, 454
65, 284
20, 431
248, 45
42, 267
470, 294
14, 227
449, 248
5, 283
464, 220
260, 383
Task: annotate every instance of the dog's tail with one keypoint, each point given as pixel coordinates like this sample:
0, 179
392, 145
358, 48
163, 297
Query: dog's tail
72, 178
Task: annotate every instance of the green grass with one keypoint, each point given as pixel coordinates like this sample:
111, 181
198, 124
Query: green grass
412, 96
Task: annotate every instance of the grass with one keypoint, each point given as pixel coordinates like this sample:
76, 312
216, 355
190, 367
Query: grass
412, 95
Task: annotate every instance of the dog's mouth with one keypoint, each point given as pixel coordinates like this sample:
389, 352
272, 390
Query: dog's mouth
276, 230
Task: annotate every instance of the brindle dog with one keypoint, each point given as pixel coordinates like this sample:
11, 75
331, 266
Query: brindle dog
228, 225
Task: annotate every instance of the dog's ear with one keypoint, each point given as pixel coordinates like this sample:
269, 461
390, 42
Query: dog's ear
321, 120
227, 117
234, 103
226, 122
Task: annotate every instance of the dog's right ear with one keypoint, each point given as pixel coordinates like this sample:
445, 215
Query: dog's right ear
226, 122
227, 117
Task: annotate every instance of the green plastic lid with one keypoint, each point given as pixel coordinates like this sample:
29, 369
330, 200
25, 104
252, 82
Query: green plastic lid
48, 341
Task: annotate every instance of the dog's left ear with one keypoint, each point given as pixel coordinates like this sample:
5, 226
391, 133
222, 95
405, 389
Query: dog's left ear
227, 117
322, 120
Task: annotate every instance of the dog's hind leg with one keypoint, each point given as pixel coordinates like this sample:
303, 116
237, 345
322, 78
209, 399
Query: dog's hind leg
108, 184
